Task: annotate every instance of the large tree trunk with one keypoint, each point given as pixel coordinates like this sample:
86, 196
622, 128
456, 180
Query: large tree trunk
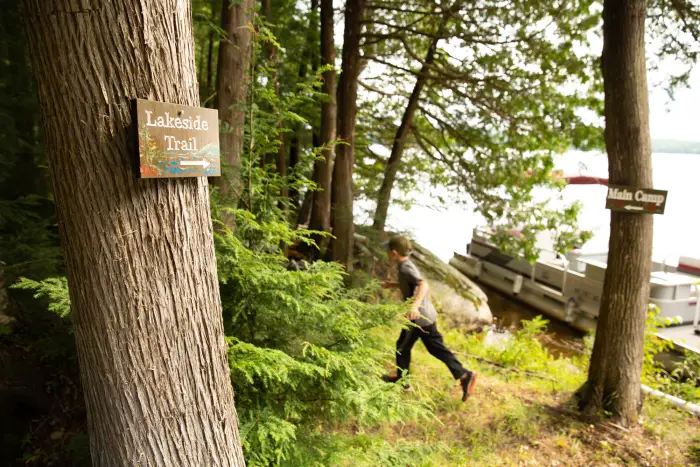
342, 197
232, 79
392, 166
321, 209
281, 157
295, 145
139, 253
294, 152
616, 363
210, 51
304, 216
282, 171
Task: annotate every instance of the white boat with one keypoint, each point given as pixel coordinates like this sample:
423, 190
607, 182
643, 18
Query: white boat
570, 288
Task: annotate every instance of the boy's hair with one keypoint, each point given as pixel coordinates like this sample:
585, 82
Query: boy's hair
400, 244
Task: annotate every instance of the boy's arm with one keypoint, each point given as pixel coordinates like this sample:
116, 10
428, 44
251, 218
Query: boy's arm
418, 296
390, 285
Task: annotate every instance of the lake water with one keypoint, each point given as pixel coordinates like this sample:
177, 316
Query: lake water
447, 229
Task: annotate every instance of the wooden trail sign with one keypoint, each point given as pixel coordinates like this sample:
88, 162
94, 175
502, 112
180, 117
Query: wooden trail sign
177, 140
635, 200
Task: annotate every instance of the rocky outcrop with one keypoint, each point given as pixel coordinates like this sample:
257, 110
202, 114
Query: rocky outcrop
461, 302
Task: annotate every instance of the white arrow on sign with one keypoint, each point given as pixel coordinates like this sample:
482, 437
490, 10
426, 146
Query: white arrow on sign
204, 163
635, 208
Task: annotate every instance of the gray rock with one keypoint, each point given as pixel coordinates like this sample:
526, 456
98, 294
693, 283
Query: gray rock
462, 304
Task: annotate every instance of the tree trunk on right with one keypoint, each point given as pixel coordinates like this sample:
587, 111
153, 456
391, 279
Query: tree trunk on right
321, 209
615, 372
232, 87
343, 226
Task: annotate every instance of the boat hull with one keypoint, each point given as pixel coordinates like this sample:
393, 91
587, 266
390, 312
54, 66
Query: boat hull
570, 291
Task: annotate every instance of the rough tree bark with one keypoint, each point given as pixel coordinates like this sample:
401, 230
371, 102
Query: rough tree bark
139, 253
295, 144
281, 157
210, 49
305, 209
232, 84
343, 227
616, 363
392, 166
321, 209
304, 216
294, 151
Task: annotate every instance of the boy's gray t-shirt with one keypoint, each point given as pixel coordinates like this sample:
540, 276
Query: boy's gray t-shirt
409, 277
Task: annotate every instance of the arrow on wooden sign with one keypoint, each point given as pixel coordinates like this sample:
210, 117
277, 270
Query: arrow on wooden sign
202, 164
636, 200
177, 140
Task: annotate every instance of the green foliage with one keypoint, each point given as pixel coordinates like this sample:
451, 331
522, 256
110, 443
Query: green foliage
55, 289
305, 353
273, 113
366, 450
207, 31
684, 379
28, 237
510, 88
675, 28
652, 370
302, 351
79, 449
302, 347
524, 350
539, 218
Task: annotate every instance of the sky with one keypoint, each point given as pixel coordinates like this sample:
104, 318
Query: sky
678, 119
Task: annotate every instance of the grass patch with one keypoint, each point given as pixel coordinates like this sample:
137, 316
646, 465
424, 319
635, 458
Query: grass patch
514, 418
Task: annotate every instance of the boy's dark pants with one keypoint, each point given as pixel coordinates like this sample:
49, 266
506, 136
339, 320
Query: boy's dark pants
432, 339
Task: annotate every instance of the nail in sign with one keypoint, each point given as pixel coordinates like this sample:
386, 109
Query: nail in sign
635, 200
177, 140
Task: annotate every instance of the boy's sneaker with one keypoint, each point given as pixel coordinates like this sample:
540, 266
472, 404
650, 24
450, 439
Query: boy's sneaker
468, 384
392, 379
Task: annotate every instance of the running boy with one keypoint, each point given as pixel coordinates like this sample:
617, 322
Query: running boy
422, 314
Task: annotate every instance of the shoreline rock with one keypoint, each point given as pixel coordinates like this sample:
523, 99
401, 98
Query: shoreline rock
459, 300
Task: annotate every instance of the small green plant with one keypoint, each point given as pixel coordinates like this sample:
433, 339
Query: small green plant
523, 350
55, 289
694, 452
652, 370
683, 380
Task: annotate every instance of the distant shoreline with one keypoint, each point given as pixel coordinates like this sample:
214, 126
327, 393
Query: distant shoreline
668, 146
672, 146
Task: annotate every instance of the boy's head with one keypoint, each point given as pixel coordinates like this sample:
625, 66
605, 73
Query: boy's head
399, 247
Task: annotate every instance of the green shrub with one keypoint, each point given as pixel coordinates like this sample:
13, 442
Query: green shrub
524, 350
302, 349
